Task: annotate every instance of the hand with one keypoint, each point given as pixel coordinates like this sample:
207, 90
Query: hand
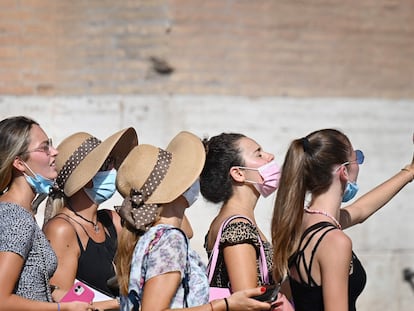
282, 304
241, 300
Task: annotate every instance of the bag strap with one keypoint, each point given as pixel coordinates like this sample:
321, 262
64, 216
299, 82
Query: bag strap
264, 273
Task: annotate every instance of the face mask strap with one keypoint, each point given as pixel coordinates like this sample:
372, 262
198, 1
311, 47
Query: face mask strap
31, 171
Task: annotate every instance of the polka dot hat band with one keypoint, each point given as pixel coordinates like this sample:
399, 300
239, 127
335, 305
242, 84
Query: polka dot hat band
134, 210
78, 155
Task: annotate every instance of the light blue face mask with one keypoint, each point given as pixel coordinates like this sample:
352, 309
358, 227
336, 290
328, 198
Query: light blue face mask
38, 183
351, 190
192, 193
103, 186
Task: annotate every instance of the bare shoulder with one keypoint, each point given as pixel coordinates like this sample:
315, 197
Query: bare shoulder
59, 228
240, 218
336, 245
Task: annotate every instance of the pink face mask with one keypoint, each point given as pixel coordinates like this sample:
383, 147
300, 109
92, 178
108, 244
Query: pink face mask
270, 172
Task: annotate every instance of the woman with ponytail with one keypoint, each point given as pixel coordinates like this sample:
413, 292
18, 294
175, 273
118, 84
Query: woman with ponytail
319, 173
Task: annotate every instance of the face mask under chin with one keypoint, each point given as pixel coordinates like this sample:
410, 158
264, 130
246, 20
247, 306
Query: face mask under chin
40, 184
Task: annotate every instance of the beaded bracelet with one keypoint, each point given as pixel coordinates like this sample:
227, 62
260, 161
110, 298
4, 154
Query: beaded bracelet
412, 175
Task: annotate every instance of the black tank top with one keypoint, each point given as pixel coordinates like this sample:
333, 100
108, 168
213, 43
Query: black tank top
95, 263
307, 295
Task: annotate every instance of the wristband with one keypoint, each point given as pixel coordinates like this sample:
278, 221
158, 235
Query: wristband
58, 306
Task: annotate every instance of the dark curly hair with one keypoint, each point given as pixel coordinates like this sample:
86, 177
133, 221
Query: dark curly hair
222, 152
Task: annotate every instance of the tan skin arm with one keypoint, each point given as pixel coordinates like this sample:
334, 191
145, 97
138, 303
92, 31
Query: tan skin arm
63, 240
11, 265
241, 257
155, 299
372, 201
334, 257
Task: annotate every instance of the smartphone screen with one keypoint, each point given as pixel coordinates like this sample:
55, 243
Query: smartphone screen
79, 292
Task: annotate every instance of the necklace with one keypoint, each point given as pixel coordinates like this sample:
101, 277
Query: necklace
313, 211
95, 225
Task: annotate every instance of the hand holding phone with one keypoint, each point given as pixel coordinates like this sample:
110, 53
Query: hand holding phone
79, 292
270, 295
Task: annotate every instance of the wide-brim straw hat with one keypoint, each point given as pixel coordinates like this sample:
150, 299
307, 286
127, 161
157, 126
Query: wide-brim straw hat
187, 161
88, 161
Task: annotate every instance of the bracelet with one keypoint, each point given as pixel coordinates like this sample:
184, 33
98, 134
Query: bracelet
227, 304
407, 170
58, 306
211, 306
118, 300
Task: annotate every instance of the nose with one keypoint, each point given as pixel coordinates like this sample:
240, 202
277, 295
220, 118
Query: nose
53, 151
269, 156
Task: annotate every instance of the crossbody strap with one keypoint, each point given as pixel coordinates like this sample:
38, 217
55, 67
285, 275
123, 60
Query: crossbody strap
264, 273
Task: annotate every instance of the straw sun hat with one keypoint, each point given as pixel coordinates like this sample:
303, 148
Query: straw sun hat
150, 176
81, 155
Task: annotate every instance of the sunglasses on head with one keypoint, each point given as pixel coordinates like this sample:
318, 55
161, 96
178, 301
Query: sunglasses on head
359, 158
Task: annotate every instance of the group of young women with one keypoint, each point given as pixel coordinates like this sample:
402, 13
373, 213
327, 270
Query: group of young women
144, 244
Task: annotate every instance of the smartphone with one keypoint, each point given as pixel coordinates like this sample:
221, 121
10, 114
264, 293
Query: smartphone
79, 292
270, 295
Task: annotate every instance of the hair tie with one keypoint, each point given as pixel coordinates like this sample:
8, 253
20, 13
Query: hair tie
305, 144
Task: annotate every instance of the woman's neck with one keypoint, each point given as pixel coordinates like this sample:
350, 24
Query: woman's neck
173, 213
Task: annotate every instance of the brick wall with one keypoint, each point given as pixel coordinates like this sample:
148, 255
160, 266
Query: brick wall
250, 48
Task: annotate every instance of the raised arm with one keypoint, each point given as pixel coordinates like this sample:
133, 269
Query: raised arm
372, 201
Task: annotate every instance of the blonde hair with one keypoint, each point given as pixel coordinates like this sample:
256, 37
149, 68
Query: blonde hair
127, 240
14, 141
54, 205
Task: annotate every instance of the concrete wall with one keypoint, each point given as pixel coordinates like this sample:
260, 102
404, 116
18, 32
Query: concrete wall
383, 129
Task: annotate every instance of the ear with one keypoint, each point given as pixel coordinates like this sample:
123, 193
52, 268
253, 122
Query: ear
19, 164
237, 174
343, 173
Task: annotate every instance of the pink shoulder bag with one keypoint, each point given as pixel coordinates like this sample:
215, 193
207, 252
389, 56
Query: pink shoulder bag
222, 292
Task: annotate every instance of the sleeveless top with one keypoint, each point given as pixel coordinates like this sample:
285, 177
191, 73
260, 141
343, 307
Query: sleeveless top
307, 294
20, 234
95, 263
239, 233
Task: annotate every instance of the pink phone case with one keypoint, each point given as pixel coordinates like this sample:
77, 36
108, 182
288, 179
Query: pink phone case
79, 292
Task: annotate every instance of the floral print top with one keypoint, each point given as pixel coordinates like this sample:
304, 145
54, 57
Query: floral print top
161, 250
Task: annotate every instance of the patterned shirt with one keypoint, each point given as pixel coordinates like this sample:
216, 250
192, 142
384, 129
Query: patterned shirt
239, 233
20, 234
169, 253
